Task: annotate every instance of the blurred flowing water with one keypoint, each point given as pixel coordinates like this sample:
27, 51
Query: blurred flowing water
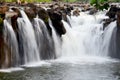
83, 53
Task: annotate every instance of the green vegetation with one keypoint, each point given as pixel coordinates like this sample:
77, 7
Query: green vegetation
27, 0
100, 4
99, 1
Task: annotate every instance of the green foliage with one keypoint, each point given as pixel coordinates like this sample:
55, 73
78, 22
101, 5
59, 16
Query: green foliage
27, 0
100, 4
43, 0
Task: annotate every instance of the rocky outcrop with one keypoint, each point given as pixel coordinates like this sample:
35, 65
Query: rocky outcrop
113, 11
56, 17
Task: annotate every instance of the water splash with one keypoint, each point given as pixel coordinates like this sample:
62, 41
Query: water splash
87, 37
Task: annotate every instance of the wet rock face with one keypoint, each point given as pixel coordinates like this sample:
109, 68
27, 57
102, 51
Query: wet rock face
107, 22
112, 12
118, 36
56, 17
42, 13
4, 49
30, 13
118, 19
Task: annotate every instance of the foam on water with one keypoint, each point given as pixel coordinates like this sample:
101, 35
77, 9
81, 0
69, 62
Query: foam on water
37, 64
9, 70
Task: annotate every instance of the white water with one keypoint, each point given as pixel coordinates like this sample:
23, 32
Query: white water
87, 37
31, 52
10, 39
44, 40
84, 41
56, 39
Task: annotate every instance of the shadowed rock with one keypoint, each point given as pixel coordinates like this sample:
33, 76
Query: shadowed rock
56, 17
112, 12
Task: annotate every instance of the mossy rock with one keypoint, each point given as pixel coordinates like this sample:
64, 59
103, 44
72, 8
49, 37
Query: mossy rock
42, 13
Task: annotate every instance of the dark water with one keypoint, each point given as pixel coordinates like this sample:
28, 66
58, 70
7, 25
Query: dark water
67, 71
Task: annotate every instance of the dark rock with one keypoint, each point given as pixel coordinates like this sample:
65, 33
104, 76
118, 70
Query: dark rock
107, 22
112, 12
42, 13
118, 19
56, 17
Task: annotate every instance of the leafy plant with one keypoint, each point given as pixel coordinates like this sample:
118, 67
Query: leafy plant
100, 4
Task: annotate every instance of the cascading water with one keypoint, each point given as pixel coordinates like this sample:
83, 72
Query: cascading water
56, 39
30, 49
10, 39
44, 40
86, 37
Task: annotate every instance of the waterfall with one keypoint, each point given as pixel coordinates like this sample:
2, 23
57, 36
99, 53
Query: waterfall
86, 37
27, 35
11, 41
56, 39
44, 40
